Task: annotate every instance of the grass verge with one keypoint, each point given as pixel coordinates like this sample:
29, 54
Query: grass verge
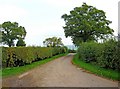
7, 72
107, 73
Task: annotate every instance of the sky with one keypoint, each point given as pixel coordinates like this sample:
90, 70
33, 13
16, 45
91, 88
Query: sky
42, 18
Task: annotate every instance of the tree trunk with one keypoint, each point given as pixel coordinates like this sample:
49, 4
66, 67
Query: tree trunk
10, 45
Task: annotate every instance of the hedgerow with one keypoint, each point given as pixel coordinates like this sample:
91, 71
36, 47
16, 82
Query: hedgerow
109, 57
102, 54
89, 51
19, 56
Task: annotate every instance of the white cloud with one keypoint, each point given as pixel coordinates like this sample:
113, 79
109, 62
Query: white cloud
61, 3
10, 12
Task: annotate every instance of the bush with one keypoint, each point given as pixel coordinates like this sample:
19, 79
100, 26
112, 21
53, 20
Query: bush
103, 54
19, 56
72, 51
109, 57
59, 50
88, 51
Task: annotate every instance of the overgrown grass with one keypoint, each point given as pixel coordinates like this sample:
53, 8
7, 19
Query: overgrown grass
107, 73
7, 72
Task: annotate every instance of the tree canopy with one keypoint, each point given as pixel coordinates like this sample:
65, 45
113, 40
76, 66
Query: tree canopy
86, 23
11, 31
53, 42
20, 42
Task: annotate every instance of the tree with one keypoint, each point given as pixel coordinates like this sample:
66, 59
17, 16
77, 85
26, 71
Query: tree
11, 32
86, 23
53, 42
20, 42
0, 36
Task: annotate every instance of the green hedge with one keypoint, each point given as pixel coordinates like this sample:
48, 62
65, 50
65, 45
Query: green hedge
19, 56
71, 51
89, 51
109, 57
102, 54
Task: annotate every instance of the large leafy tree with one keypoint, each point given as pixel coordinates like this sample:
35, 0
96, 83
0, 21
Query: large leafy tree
53, 42
86, 23
11, 31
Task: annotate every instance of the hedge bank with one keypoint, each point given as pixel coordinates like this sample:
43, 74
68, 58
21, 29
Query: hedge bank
20, 56
105, 54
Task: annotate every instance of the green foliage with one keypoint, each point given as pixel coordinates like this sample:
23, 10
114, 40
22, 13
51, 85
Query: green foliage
59, 50
19, 56
11, 32
7, 72
0, 36
53, 42
86, 23
102, 54
71, 51
20, 42
87, 51
64, 49
109, 57
96, 69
